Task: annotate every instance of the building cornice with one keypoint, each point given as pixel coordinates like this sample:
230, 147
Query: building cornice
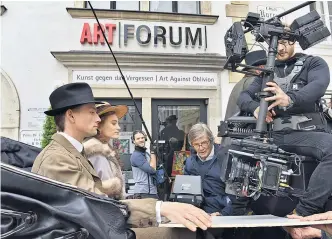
161, 61
143, 16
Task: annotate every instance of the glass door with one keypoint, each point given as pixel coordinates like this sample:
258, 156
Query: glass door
171, 122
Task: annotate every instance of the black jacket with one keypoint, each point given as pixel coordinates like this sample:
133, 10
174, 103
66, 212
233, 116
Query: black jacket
315, 76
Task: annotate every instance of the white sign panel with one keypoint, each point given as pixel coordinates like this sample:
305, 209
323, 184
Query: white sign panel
146, 78
35, 118
267, 12
31, 137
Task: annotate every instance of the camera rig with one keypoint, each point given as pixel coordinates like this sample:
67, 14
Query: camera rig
254, 164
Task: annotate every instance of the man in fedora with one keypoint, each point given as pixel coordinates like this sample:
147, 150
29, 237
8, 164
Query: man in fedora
74, 110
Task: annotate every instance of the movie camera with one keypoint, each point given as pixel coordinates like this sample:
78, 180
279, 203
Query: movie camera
254, 164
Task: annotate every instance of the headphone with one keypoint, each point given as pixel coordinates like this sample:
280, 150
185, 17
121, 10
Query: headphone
138, 132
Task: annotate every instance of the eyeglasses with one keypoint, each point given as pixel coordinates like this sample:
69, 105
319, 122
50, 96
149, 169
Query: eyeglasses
204, 144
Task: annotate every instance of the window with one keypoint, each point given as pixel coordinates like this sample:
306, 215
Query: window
118, 5
191, 7
324, 8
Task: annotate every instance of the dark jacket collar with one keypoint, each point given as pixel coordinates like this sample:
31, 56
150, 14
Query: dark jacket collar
140, 149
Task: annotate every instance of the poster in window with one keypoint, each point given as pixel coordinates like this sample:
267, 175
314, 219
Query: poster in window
178, 162
122, 145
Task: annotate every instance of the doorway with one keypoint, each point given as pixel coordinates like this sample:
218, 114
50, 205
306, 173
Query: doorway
186, 113
171, 122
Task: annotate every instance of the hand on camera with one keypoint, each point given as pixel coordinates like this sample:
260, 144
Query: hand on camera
186, 214
280, 98
269, 115
153, 148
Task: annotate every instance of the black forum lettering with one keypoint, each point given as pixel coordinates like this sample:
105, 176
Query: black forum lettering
159, 35
189, 36
138, 34
128, 34
171, 40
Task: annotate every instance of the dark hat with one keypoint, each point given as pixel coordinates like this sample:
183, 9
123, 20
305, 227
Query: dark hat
171, 118
68, 96
255, 58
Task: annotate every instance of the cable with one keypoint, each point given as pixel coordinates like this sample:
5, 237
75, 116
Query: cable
129, 91
122, 76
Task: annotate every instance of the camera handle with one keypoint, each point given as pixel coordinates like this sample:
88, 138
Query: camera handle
261, 125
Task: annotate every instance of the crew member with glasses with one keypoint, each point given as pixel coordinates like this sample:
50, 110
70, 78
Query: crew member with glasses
204, 163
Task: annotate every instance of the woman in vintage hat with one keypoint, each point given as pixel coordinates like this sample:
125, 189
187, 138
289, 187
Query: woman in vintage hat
101, 154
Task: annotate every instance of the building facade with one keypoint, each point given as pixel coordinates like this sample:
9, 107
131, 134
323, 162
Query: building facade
171, 54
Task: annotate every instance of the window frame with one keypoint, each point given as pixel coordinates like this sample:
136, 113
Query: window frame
113, 6
175, 8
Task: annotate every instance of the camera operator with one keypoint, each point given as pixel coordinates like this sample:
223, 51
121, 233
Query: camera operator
299, 83
144, 166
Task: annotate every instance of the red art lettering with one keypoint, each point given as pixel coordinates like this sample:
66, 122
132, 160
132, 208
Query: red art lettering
110, 27
97, 34
86, 34
98, 37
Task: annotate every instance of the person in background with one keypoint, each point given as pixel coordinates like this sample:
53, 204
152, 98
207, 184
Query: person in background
254, 58
101, 154
172, 134
205, 164
174, 141
144, 167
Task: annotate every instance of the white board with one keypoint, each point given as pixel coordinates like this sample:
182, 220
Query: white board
253, 221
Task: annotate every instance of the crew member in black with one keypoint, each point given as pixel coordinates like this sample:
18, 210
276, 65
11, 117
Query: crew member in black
298, 123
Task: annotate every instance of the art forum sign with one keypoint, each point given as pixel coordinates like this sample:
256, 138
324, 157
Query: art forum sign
146, 78
144, 34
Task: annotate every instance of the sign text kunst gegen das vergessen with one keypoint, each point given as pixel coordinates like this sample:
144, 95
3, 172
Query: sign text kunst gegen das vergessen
147, 78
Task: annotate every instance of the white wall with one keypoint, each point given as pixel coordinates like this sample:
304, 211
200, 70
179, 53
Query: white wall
31, 30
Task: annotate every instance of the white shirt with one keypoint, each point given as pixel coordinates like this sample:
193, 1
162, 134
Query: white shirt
78, 145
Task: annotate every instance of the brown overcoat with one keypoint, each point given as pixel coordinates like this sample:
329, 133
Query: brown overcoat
61, 161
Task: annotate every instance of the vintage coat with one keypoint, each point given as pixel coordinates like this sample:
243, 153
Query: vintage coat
107, 165
61, 161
